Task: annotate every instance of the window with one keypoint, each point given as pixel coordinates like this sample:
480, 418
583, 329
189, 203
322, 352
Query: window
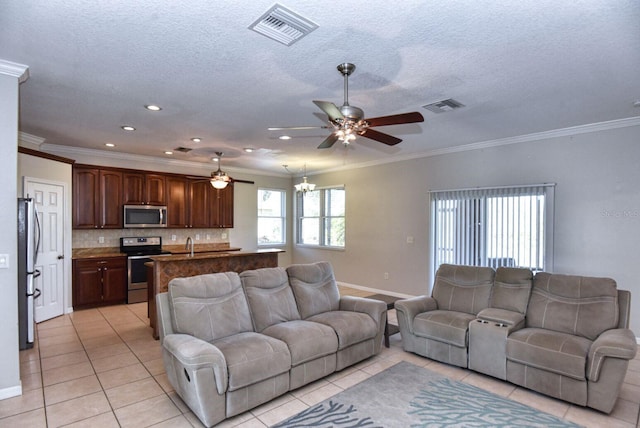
321, 217
505, 226
271, 216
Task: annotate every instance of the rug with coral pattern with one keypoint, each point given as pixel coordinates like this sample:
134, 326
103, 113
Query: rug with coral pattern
406, 395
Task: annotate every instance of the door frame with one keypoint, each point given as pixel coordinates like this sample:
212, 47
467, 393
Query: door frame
67, 230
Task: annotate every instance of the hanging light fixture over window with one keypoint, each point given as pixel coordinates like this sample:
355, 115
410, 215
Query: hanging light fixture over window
305, 186
219, 178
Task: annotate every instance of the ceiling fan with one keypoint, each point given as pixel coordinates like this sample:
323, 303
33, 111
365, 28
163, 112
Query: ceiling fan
348, 121
220, 179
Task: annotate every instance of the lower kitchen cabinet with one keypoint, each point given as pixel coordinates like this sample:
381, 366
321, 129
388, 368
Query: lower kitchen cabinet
99, 281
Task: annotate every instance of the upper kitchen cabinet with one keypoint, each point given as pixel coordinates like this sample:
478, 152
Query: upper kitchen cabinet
143, 189
201, 198
97, 196
177, 201
223, 212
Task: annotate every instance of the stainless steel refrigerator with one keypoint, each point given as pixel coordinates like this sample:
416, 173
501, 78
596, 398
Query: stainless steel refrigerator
28, 245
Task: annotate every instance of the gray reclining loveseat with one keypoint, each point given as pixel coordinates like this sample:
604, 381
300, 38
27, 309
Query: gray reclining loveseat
562, 335
232, 342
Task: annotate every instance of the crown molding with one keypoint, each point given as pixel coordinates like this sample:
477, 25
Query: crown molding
14, 69
538, 136
70, 151
30, 141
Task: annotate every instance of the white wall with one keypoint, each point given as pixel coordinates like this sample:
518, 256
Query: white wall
9, 357
597, 208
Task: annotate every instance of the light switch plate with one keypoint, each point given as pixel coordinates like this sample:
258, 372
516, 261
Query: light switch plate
4, 261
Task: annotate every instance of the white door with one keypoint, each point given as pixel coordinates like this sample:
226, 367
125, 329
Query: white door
49, 201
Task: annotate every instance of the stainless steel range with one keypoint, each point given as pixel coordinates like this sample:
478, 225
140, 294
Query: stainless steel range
138, 250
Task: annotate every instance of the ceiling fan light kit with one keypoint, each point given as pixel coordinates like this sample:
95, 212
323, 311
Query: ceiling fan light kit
219, 178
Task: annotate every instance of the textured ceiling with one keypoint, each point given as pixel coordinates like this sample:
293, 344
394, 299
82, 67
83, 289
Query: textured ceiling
518, 67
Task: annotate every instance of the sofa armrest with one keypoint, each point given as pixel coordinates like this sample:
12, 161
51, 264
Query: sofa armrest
376, 309
615, 343
409, 308
195, 354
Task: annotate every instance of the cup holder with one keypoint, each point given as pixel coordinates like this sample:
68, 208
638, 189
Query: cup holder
499, 324
482, 321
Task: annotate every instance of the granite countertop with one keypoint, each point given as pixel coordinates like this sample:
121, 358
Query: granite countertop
212, 254
99, 252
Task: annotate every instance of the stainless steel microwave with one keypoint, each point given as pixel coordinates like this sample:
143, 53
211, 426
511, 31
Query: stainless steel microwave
140, 216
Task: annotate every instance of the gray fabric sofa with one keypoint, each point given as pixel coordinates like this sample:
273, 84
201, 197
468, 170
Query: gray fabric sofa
232, 342
564, 336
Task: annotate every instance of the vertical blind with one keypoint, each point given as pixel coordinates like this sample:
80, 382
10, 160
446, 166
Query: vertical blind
501, 226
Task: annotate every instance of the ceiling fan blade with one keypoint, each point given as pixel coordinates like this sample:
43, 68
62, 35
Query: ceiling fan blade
236, 180
284, 128
387, 139
329, 141
330, 109
395, 119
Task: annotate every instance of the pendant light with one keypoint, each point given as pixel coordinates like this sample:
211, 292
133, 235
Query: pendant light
305, 186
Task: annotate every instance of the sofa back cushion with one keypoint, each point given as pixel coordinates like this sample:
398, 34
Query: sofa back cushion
210, 306
579, 305
270, 297
314, 287
463, 288
511, 289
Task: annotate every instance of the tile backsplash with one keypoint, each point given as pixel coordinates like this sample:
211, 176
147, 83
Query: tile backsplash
111, 237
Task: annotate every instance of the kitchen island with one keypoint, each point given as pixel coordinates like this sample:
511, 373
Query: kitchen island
164, 268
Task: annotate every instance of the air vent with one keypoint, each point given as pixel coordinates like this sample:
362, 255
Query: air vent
443, 106
182, 149
282, 25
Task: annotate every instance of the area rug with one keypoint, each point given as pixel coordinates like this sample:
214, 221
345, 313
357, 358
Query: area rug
406, 395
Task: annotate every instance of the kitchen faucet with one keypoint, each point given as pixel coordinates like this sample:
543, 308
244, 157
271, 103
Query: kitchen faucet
189, 245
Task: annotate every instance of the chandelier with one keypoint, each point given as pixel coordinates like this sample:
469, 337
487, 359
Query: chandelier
305, 186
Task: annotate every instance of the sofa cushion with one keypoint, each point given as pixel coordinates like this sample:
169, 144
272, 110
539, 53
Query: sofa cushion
210, 306
555, 352
314, 287
511, 289
270, 297
444, 326
350, 327
579, 305
306, 340
253, 357
463, 288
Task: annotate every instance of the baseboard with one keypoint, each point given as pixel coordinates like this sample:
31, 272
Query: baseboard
374, 290
12, 391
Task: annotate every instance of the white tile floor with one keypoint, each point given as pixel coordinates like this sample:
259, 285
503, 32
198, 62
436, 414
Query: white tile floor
102, 368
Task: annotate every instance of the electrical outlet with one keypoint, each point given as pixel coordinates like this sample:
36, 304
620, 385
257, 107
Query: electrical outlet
208, 236
100, 239
173, 237
4, 261
197, 236
223, 236
386, 275
409, 239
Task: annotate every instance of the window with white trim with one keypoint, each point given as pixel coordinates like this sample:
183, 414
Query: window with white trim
502, 226
321, 217
271, 216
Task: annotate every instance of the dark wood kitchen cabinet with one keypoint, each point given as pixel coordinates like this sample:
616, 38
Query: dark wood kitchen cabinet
143, 189
177, 205
99, 281
201, 203
223, 211
97, 198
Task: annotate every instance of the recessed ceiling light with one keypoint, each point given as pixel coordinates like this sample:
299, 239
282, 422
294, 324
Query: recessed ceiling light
153, 107
128, 128
168, 152
109, 144
196, 139
284, 137
248, 149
